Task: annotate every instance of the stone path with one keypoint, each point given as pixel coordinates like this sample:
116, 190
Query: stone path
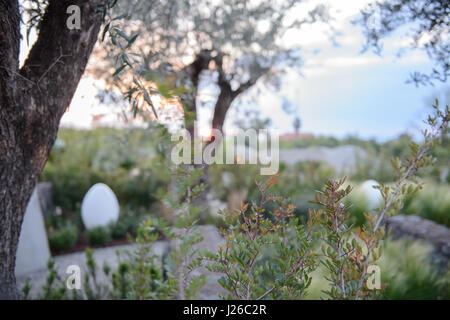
212, 240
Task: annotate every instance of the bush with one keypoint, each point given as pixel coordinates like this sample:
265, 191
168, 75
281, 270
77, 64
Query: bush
269, 255
63, 239
119, 229
126, 225
128, 160
98, 236
433, 202
359, 206
265, 257
226, 178
406, 268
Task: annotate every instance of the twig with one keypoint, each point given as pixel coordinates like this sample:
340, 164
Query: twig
266, 293
411, 169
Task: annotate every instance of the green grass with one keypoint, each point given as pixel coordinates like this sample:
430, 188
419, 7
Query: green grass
432, 202
405, 268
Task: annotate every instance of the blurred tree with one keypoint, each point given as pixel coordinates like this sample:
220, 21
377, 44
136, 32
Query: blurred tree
230, 44
252, 120
32, 100
430, 22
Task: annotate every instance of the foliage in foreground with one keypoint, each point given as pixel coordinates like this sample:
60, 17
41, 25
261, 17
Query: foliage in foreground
249, 272
406, 270
268, 254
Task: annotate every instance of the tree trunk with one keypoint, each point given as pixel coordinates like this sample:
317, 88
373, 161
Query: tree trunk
32, 102
190, 76
223, 103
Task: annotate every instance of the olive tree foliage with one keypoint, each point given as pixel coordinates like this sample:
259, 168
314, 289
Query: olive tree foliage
430, 29
231, 44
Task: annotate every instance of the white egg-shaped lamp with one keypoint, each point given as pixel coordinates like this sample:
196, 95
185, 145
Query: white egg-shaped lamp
372, 195
100, 207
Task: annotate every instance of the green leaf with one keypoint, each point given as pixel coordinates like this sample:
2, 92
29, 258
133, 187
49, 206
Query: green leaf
119, 17
122, 34
132, 40
118, 70
149, 101
105, 30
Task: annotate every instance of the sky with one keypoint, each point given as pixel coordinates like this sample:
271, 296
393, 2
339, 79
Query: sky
339, 92
342, 92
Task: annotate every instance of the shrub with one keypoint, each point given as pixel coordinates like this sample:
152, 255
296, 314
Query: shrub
63, 239
226, 178
405, 269
409, 274
119, 229
433, 202
54, 287
98, 236
267, 255
132, 223
128, 160
126, 225
348, 256
144, 275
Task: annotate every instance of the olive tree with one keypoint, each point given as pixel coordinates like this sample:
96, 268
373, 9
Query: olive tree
33, 99
430, 27
232, 44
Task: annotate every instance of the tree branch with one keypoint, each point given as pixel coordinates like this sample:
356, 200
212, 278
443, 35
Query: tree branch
245, 86
412, 168
59, 56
